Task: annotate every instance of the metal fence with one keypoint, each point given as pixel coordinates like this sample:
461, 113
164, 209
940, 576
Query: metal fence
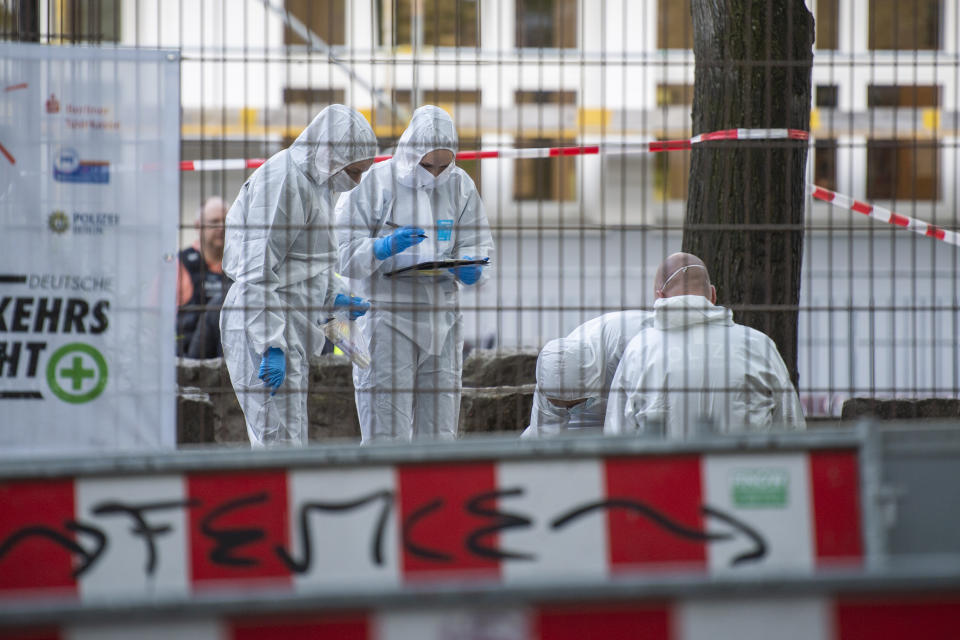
580, 235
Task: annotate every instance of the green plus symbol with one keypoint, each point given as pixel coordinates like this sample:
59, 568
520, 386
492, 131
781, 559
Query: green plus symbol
77, 373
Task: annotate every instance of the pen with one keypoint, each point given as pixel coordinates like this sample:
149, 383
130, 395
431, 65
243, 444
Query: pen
397, 226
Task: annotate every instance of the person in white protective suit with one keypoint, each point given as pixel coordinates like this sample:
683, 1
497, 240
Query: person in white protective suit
280, 250
574, 373
695, 371
418, 206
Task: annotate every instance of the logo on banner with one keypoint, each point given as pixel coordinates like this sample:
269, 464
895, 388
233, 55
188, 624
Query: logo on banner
68, 167
760, 488
82, 222
77, 373
58, 222
52, 104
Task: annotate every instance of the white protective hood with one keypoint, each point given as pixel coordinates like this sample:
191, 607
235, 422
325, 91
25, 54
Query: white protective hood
680, 312
696, 367
430, 128
337, 137
569, 369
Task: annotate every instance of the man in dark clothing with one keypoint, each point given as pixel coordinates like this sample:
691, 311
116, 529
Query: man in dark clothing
201, 286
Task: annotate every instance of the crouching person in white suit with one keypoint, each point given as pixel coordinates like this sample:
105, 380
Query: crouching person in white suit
695, 369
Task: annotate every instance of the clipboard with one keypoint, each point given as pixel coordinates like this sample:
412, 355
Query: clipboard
435, 267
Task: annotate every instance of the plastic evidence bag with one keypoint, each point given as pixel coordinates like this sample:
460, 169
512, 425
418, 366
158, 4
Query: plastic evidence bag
347, 336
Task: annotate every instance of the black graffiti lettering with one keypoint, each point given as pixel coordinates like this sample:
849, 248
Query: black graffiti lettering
503, 520
229, 539
411, 521
141, 527
376, 545
72, 536
759, 550
638, 507
77, 310
88, 557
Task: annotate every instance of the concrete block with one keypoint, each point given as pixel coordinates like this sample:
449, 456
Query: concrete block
901, 409
500, 368
195, 417
504, 409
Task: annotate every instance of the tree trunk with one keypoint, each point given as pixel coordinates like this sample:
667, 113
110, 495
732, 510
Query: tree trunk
28, 21
745, 204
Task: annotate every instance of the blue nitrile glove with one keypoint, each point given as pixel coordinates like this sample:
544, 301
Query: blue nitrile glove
400, 240
273, 368
468, 274
357, 306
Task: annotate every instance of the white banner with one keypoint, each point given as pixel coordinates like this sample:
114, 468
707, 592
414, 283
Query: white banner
89, 206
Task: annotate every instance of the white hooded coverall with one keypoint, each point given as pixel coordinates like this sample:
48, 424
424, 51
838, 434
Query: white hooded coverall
280, 250
695, 368
412, 388
581, 365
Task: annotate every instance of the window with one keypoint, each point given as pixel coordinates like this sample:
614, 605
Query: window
827, 95
443, 23
909, 96
825, 164
449, 99
325, 18
674, 24
459, 103
828, 18
671, 175
904, 24
902, 170
524, 97
8, 23
549, 24
87, 20
670, 95
544, 178
297, 95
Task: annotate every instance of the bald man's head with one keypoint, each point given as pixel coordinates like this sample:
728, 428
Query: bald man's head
210, 219
683, 274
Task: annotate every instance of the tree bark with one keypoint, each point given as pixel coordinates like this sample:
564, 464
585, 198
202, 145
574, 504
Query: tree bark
28, 21
745, 204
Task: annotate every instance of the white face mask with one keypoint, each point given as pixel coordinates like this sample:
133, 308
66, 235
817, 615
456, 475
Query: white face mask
341, 182
420, 178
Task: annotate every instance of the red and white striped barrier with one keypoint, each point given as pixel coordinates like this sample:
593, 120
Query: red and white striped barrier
390, 527
884, 215
549, 152
887, 617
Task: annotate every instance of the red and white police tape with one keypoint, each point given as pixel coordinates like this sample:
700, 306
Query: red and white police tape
549, 152
884, 215
819, 193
